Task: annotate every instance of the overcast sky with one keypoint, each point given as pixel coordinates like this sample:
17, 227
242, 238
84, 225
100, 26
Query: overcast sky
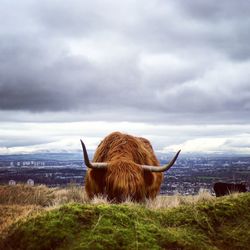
176, 72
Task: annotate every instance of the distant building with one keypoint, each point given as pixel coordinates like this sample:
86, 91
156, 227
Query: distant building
30, 182
12, 182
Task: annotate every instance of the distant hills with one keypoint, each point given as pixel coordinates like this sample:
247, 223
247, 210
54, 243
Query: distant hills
77, 156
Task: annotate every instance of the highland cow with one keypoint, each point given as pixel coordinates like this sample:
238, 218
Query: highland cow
124, 167
221, 188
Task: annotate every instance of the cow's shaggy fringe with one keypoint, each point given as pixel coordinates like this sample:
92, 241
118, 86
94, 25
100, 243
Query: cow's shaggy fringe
118, 145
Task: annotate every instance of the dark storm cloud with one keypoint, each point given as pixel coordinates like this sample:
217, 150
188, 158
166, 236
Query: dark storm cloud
225, 25
199, 26
25, 80
161, 60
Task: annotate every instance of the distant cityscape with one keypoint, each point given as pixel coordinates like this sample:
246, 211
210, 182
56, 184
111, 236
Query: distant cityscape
189, 174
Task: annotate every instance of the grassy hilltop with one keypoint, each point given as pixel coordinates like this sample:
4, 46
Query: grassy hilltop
42, 218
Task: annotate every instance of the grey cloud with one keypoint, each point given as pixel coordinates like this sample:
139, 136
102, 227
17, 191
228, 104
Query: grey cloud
14, 141
220, 26
71, 19
39, 72
225, 25
31, 83
215, 10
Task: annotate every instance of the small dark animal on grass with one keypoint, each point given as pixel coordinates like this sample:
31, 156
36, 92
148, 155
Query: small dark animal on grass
124, 167
222, 188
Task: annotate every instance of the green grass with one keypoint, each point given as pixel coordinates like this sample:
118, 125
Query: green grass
221, 223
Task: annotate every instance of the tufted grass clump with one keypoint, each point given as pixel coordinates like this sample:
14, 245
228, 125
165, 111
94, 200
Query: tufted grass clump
22, 194
220, 223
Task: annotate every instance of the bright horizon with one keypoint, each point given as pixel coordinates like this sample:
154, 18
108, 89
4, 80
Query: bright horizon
64, 137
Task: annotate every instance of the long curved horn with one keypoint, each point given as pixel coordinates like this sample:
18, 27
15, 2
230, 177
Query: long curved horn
161, 168
94, 165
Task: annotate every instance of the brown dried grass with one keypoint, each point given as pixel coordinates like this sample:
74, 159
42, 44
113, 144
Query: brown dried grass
10, 214
71, 193
47, 197
26, 195
169, 201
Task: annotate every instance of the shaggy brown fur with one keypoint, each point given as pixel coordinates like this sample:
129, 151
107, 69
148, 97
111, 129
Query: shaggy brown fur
124, 178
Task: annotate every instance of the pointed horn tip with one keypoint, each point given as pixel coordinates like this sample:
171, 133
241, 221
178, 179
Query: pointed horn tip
82, 143
162, 168
178, 152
